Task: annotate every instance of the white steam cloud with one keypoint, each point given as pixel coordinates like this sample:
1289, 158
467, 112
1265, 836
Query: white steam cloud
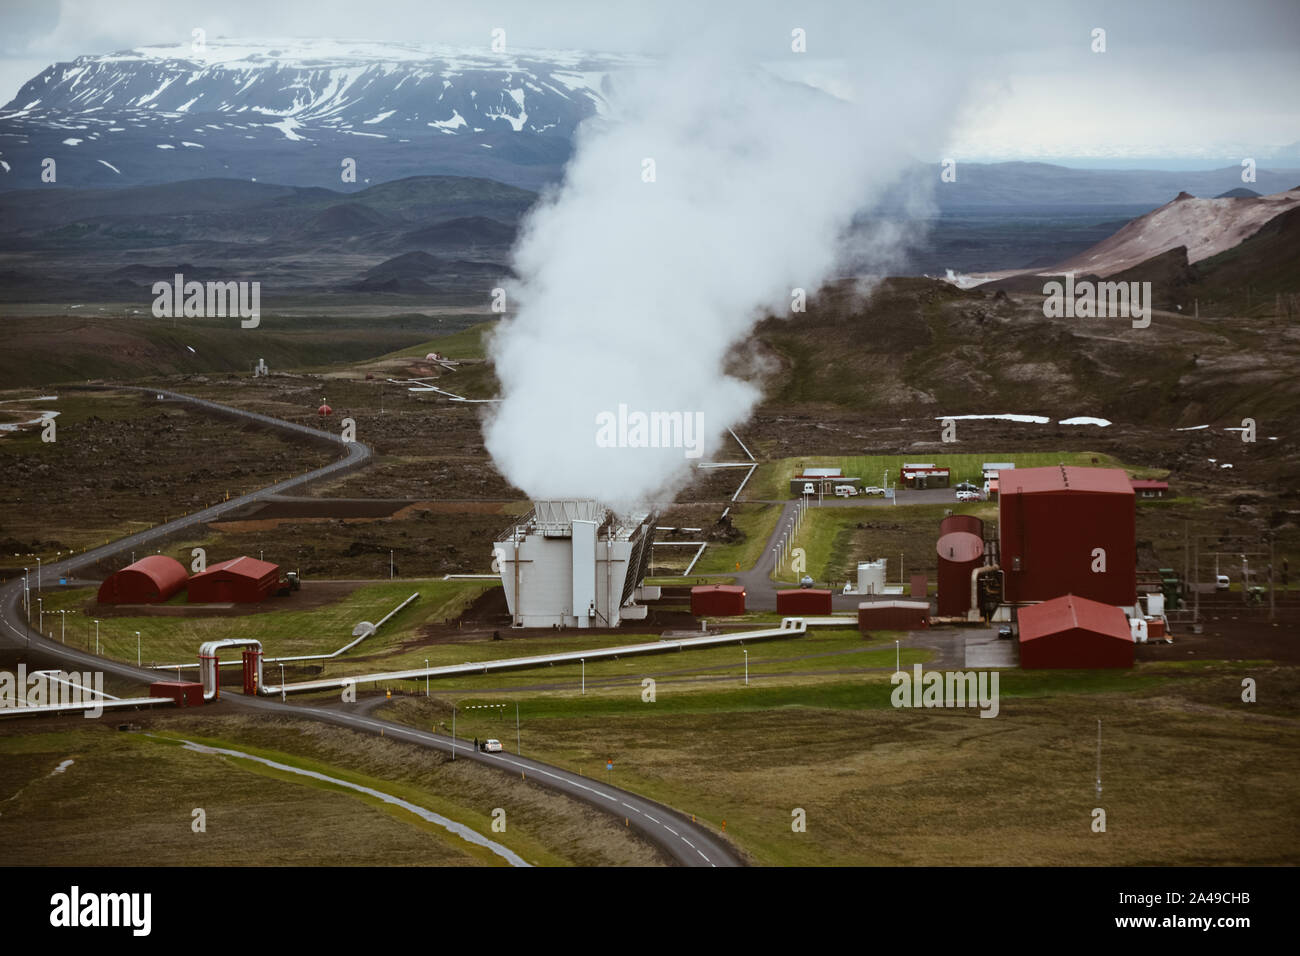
633, 293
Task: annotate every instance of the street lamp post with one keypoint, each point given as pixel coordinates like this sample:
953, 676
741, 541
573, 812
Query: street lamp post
584, 675
137, 648
63, 616
281, 681
745, 651
38, 575
519, 747
96, 635
40, 612
426, 677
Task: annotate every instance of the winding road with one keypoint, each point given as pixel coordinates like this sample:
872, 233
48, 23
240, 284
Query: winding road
680, 838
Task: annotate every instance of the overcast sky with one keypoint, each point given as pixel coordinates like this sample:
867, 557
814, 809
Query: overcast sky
1191, 83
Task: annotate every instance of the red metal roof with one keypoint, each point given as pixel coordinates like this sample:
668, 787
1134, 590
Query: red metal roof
1146, 483
244, 567
960, 546
729, 588
1056, 479
1069, 612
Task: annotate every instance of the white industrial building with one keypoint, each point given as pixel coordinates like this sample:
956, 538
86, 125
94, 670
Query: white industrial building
573, 563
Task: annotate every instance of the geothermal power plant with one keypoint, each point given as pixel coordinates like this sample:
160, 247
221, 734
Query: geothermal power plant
575, 563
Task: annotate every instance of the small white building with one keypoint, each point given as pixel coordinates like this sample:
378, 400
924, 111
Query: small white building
573, 563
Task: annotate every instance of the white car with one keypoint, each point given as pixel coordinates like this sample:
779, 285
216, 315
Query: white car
873, 490
490, 746
968, 496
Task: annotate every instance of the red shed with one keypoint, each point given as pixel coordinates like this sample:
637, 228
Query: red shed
717, 600
893, 615
1057, 525
185, 693
1074, 632
242, 580
960, 553
803, 601
150, 580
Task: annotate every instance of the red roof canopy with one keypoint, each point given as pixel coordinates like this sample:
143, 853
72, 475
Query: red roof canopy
243, 566
1056, 479
1071, 611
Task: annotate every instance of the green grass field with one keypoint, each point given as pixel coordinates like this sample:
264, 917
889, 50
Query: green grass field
1191, 776
259, 815
772, 479
282, 629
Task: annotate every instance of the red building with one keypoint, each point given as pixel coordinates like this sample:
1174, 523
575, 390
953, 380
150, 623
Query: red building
1068, 531
893, 615
717, 600
150, 580
803, 601
1074, 632
960, 553
242, 580
1146, 488
185, 693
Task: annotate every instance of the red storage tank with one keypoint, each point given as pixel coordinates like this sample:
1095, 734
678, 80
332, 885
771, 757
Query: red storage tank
242, 580
150, 580
717, 600
803, 601
185, 693
960, 553
893, 615
1074, 632
1056, 525
968, 523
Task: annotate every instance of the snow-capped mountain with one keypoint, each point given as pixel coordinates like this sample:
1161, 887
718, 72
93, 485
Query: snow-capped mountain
291, 111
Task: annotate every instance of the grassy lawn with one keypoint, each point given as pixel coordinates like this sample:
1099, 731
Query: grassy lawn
261, 815
282, 630
1190, 775
757, 522
809, 657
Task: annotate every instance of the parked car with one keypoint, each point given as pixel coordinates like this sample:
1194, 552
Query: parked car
873, 490
808, 488
845, 491
968, 496
490, 746
806, 581
1004, 632
965, 486
1221, 582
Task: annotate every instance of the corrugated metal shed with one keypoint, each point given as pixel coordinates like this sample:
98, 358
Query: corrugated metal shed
241, 580
1056, 527
1074, 632
803, 601
151, 580
893, 615
717, 600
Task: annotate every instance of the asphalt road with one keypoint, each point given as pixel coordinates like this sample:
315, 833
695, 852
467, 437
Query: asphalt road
684, 841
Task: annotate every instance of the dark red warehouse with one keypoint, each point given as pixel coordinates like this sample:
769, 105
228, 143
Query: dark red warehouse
150, 580
1074, 632
242, 580
893, 615
717, 600
803, 601
960, 553
1068, 531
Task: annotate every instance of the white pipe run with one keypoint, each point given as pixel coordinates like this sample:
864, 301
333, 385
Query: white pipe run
790, 627
208, 663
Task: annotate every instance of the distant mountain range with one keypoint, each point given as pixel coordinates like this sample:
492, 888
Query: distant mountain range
291, 111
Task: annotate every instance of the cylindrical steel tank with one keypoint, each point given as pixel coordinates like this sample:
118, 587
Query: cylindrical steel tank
960, 553
871, 577
968, 523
